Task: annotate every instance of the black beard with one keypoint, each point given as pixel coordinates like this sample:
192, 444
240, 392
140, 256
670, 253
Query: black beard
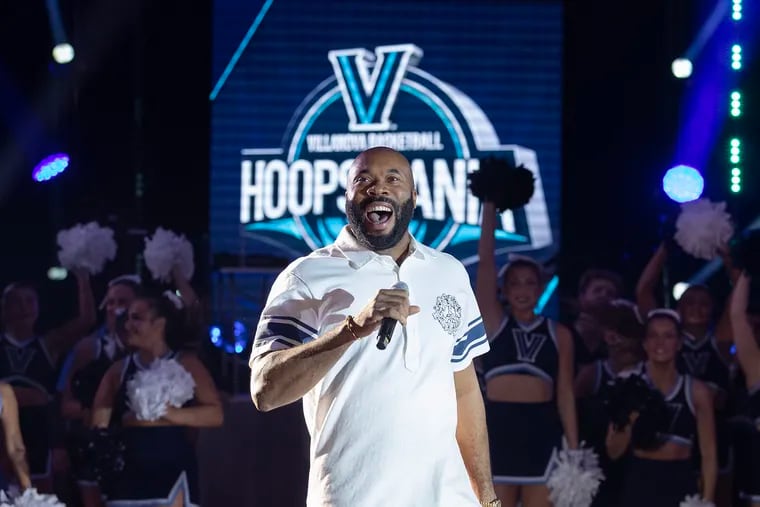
356, 213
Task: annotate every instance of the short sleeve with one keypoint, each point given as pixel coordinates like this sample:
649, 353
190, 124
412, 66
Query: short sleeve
471, 339
289, 317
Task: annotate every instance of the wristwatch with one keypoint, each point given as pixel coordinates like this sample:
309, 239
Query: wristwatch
493, 503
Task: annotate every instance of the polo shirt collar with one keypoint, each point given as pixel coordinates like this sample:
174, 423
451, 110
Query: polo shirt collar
359, 255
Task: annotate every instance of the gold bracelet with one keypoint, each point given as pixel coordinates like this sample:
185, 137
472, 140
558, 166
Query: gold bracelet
493, 503
350, 324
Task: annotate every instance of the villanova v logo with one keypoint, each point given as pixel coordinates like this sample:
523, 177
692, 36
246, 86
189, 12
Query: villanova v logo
19, 358
528, 344
675, 411
696, 362
369, 82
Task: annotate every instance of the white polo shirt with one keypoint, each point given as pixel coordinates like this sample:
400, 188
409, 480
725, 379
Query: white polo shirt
382, 422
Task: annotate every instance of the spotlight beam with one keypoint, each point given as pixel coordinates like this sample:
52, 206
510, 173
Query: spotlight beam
708, 29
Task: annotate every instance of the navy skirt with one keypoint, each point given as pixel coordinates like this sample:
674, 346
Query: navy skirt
159, 464
524, 439
657, 483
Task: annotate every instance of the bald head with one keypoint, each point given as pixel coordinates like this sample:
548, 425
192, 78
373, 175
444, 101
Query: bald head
384, 156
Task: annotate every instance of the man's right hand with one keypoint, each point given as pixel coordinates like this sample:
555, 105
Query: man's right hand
392, 303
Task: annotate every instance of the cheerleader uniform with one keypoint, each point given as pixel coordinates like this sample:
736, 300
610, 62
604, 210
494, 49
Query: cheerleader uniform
28, 364
523, 437
666, 483
84, 386
159, 462
594, 423
86, 380
702, 360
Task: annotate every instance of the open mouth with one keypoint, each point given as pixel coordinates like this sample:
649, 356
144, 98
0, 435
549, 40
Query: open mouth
378, 215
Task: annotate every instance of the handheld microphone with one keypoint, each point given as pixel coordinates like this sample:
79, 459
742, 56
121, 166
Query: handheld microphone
388, 324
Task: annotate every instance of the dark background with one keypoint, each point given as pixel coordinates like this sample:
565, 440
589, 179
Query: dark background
135, 101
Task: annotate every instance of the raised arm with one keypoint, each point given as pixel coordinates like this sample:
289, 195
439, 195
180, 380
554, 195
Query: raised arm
83, 354
486, 283
14, 443
60, 340
207, 410
705, 414
723, 330
186, 291
747, 350
647, 284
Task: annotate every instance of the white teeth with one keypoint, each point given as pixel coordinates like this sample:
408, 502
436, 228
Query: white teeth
380, 207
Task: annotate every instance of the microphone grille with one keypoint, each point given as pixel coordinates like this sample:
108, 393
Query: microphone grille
400, 286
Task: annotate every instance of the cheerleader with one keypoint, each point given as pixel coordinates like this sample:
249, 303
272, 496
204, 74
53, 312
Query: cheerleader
704, 353
700, 355
160, 464
623, 333
29, 363
528, 377
14, 442
93, 355
85, 368
748, 356
661, 474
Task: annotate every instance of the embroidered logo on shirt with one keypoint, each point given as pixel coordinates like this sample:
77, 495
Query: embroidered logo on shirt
448, 313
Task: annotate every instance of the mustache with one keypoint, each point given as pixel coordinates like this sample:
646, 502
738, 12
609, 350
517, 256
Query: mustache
371, 200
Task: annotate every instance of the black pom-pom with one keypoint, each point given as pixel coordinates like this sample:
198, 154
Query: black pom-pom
745, 252
625, 396
498, 181
653, 421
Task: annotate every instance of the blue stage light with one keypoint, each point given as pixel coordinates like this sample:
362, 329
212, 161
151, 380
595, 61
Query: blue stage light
50, 167
683, 183
215, 334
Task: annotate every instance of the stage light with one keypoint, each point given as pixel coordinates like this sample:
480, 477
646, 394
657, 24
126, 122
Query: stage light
683, 183
736, 57
57, 273
679, 289
241, 336
50, 167
215, 334
736, 104
681, 68
737, 10
63, 53
735, 151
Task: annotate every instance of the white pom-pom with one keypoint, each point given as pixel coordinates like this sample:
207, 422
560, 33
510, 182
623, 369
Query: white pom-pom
86, 247
695, 501
30, 498
164, 251
575, 478
702, 227
165, 383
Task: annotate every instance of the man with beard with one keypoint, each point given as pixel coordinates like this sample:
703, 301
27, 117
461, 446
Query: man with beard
403, 425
